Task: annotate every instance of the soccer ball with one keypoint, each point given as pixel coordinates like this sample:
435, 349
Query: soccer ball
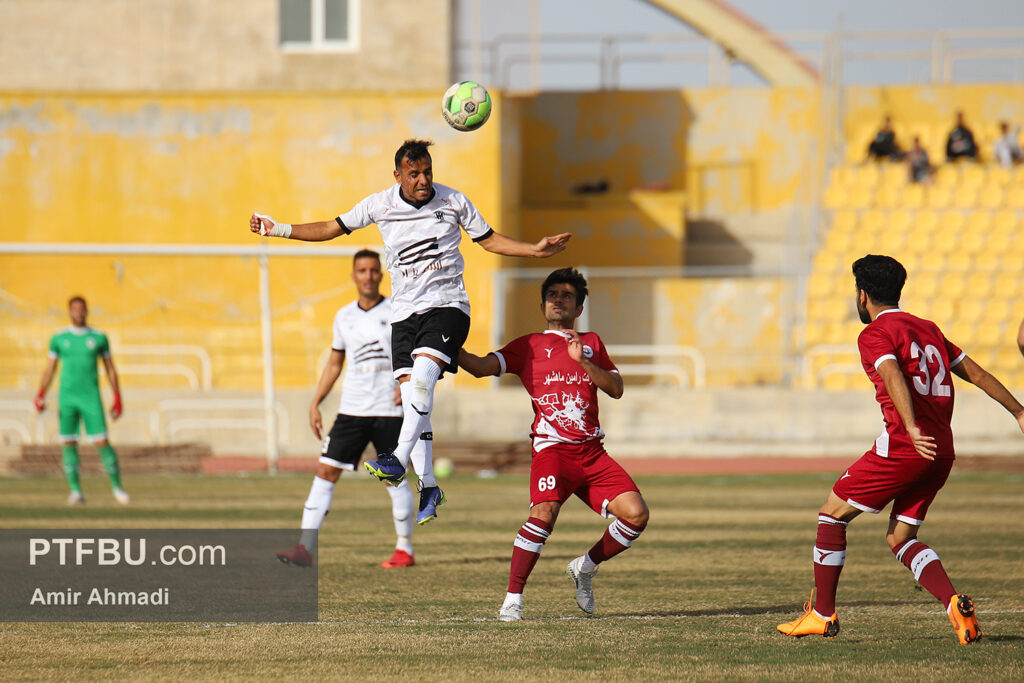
466, 106
443, 467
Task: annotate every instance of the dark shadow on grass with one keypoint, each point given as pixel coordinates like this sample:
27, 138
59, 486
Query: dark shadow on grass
985, 638
503, 558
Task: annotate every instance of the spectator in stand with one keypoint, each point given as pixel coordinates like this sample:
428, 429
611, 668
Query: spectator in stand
884, 145
919, 166
1007, 149
960, 142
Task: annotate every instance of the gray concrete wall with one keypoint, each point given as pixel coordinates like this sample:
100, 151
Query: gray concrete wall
214, 45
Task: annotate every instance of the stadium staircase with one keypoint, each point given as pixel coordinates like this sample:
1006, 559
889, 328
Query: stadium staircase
958, 237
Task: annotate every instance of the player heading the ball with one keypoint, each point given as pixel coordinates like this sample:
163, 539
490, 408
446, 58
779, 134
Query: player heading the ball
421, 224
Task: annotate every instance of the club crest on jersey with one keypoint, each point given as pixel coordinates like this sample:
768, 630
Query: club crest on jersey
588, 352
90, 344
439, 215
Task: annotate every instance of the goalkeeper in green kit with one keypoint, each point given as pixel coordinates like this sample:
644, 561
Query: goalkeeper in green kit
78, 346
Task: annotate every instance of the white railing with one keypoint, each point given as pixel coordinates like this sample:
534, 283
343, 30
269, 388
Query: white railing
661, 369
26, 416
811, 379
204, 380
164, 426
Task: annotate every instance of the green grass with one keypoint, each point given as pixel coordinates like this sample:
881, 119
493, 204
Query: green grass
724, 560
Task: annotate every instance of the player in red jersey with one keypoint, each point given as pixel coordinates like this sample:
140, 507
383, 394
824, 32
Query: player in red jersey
909, 361
563, 370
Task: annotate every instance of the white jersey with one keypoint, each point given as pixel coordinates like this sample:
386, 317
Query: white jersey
421, 246
368, 388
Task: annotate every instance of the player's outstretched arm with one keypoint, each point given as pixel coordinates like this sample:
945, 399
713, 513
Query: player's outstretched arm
486, 366
896, 386
320, 231
40, 400
1020, 337
506, 246
970, 371
323, 387
605, 380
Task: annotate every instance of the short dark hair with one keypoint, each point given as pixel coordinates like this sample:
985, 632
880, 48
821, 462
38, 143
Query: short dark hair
567, 276
413, 150
77, 298
365, 253
881, 277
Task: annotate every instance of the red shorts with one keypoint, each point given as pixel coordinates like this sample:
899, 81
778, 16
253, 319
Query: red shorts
910, 483
586, 469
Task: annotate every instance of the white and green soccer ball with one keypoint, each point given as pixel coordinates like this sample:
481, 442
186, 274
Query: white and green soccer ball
466, 106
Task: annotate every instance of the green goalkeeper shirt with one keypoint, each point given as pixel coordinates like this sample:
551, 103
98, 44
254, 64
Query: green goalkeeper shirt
78, 349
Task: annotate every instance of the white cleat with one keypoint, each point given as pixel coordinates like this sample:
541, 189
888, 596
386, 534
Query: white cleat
511, 612
121, 496
76, 498
584, 587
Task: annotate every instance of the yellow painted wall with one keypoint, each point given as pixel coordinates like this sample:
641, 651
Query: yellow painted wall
189, 170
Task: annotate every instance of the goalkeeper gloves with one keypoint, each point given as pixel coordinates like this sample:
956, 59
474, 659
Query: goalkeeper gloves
116, 410
40, 400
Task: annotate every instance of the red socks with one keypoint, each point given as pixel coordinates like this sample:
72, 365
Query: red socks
829, 557
927, 569
526, 551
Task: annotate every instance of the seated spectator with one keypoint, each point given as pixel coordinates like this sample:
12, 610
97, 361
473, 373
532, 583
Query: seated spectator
884, 145
1007, 150
960, 143
917, 163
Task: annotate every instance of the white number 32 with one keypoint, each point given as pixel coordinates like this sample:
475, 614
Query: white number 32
927, 384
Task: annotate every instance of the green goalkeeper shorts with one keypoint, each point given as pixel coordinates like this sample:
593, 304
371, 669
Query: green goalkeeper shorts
75, 410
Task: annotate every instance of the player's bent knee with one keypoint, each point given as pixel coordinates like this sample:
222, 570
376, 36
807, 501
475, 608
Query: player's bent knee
546, 512
325, 471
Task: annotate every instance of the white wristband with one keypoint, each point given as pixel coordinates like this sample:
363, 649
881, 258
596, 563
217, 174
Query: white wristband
276, 229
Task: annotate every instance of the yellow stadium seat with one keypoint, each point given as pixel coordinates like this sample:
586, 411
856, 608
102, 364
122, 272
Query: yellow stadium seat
887, 197
873, 221
1008, 283
1000, 243
945, 176
939, 197
971, 175
844, 220
867, 176
958, 259
952, 222
996, 310
836, 197
814, 334
979, 285
1015, 196
952, 285
987, 259
999, 176
1005, 221
826, 260
900, 220
991, 197
820, 284
970, 310
924, 285
979, 222
913, 197
859, 198
893, 175
940, 310
926, 219
965, 197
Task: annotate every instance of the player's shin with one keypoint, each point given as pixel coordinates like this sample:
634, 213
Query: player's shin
829, 558
402, 508
619, 536
927, 568
526, 551
417, 404
317, 505
422, 456
110, 464
69, 456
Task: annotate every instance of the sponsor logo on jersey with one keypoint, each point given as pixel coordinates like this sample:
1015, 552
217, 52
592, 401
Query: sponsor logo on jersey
548, 351
588, 352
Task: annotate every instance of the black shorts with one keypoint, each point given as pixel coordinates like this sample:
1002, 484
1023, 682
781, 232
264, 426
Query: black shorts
440, 332
344, 445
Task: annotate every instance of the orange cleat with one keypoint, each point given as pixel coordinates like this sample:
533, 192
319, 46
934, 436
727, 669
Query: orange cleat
399, 559
298, 556
810, 624
961, 615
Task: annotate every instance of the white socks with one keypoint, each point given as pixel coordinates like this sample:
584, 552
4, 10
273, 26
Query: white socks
587, 566
513, 599
417, 404
318, 504
402, 509
422, 456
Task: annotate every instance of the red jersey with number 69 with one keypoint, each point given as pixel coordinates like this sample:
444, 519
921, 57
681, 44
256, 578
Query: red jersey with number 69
925, 358
564, 396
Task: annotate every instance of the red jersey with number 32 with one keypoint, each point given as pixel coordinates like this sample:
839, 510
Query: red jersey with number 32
564, 396
925, 357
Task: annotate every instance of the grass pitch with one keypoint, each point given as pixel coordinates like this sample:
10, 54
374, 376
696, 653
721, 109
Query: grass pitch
724, 559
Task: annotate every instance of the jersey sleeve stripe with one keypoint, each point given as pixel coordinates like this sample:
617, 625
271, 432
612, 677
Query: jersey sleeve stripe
959, 359
490, 231
501, 363
344, 228
886, 357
